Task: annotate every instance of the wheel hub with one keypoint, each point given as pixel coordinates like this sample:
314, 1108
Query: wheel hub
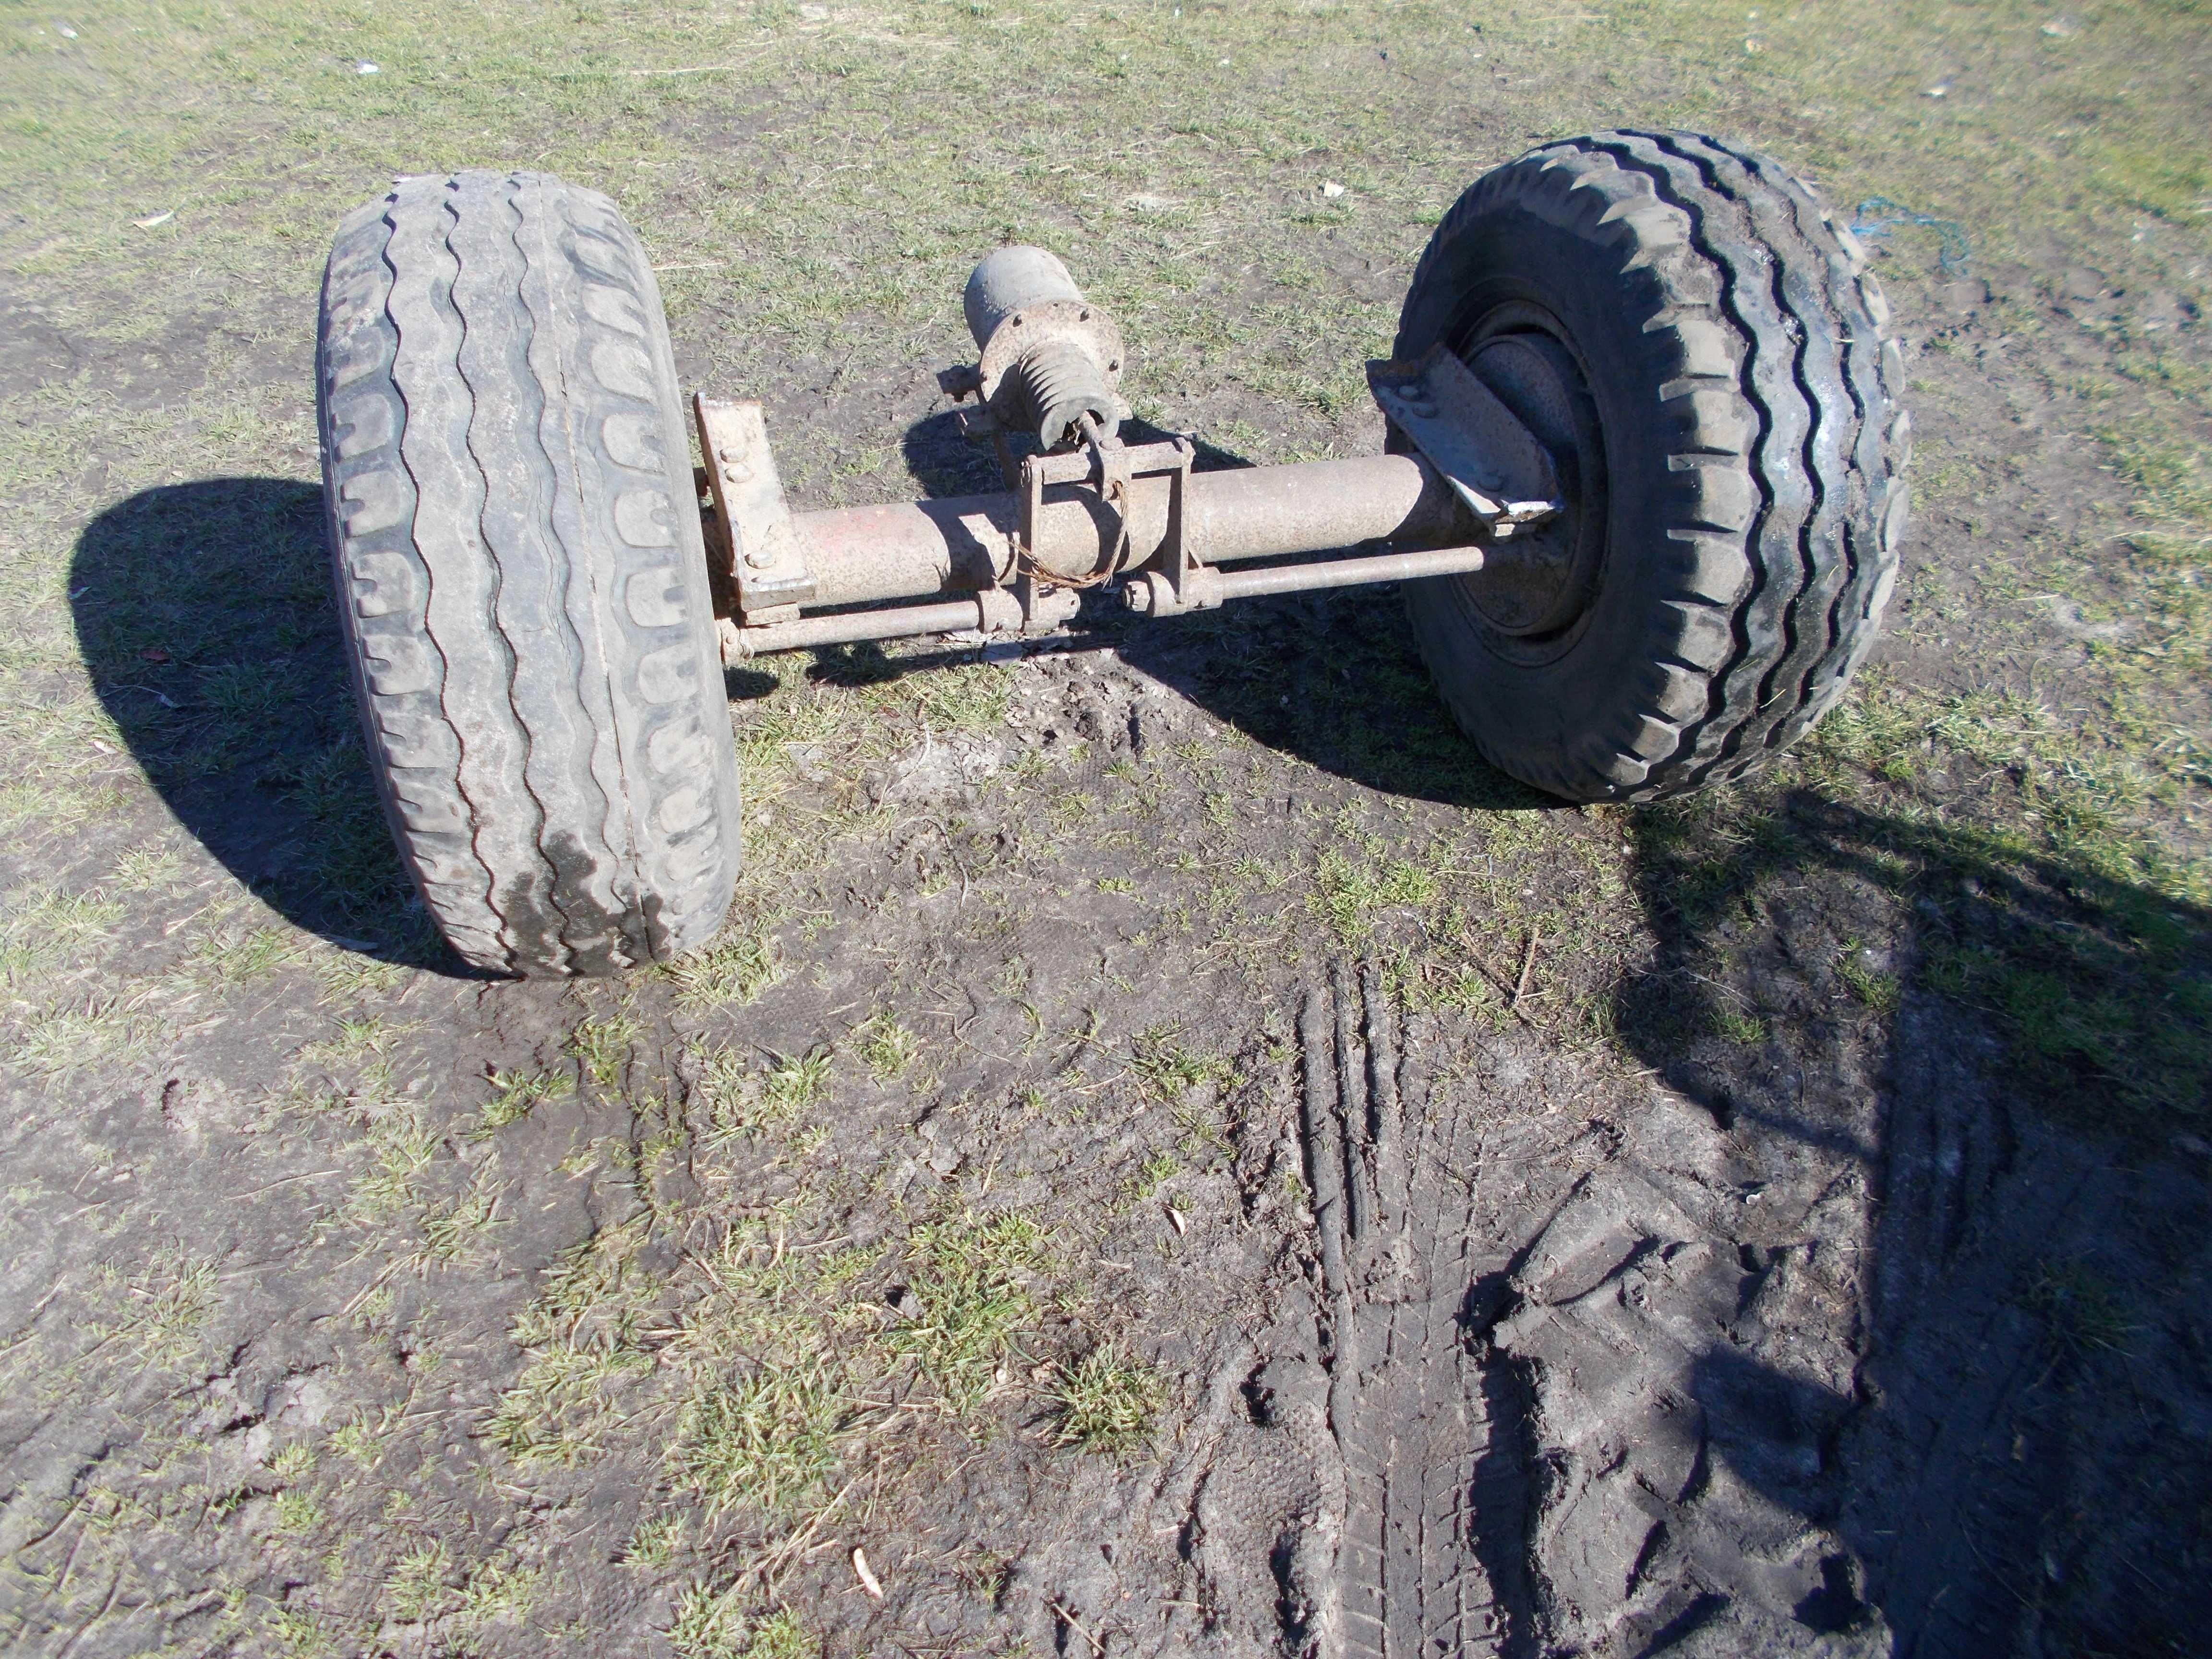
1540, 580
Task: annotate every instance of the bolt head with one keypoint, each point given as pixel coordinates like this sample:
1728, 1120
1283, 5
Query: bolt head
737, 472
758, 558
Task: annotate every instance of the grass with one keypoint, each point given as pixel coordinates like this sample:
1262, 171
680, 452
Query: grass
742, 963
1105, 1403
972, 1282
63, 1041
2081, 1312
1879, 991
163, 1311
2060, 898
452, 1227
1169, 1069
168, 671
400, 1146
497, 1592
602, 1047
41, 926
722, 1624
742, 1102
655, 1544
513, 1095
888, 1049
417, 1588
1352, 891
762, 1442
581, 1333
300, 1634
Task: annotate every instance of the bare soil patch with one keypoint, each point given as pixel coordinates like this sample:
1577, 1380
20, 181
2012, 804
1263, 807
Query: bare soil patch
1169, 1155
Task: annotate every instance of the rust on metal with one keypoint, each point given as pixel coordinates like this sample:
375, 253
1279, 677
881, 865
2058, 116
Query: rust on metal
767, 559
1495, 462
918, 549
1050, 358
1091, 510
1151, 594
1106, 472
991, 610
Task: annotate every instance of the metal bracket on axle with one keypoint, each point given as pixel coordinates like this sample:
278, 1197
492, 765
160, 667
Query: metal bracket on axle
1493, 462
1111, 468
766, 565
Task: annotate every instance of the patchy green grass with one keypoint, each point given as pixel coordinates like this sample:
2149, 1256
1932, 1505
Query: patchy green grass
513, 1095
740, 1101
581, 1333
887, 1048
1878, 990
1106, 1402
2080, 1311
2061, 898
742, 963
417, 1588
41, 927
602, 1047
972, 1282
655, 1544
723, 1625
161, 1313
764, 1442
1352, 890
1169, 1068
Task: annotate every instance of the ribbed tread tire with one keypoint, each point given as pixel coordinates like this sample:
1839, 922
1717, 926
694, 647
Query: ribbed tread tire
516, 547
1755, 451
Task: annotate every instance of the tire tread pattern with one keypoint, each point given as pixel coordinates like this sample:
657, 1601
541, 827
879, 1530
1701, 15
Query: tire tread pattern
1776, 382
518, 572
1433, 1494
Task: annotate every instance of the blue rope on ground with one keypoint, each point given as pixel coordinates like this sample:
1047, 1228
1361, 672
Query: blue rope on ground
1878, 215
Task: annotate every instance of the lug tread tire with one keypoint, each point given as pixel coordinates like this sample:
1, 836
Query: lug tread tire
522, 585
1771, 545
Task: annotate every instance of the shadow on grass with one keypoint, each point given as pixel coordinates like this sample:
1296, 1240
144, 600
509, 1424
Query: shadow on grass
2023, 1466
1333, 677
204, 614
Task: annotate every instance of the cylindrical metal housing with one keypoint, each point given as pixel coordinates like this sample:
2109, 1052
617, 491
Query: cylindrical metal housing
912, 550
1013, 279
1049, 357
1051, 387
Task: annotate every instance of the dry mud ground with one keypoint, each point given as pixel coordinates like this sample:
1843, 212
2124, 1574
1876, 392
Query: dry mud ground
1170, 1155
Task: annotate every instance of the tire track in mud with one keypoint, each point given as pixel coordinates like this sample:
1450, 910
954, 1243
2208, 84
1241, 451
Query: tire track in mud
1435, 1489
1575, 1411
1560, 1367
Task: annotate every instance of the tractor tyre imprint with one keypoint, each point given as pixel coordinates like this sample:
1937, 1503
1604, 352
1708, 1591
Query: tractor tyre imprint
1562, 1423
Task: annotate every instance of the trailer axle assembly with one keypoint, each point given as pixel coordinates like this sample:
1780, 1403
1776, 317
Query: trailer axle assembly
1644, 512
1091, 510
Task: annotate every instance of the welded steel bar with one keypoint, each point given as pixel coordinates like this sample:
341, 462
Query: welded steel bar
906, 621
1348, 573
902, 621
1151, 593
918, 549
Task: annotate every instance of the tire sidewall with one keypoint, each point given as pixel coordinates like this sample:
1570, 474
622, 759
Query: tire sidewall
1530, 716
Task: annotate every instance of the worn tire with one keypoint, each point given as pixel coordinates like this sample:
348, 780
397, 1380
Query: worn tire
1734, 459
515, 543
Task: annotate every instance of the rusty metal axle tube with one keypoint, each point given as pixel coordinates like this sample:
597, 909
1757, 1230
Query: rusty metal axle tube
921, 549
1148, 593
